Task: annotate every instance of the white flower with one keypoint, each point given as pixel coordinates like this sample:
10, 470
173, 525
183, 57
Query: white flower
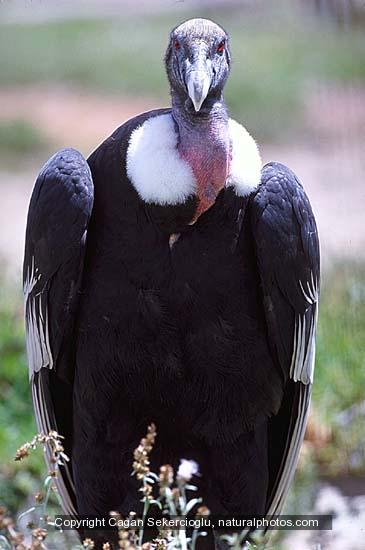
187, 469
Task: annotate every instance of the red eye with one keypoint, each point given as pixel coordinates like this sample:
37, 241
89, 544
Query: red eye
176, 45
221, 47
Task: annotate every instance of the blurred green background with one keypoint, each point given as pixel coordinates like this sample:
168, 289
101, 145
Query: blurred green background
70, 72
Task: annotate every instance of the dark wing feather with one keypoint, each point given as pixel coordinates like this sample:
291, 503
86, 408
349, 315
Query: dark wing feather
58, 217
287, 251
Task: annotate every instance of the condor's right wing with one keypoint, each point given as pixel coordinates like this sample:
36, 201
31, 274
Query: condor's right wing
58, 218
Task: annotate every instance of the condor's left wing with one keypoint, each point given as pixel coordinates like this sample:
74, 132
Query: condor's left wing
287, 253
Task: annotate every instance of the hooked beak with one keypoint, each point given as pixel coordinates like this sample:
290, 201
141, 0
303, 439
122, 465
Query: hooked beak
198, 81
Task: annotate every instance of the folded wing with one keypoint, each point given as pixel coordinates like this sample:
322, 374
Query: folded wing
58, 217
287, 252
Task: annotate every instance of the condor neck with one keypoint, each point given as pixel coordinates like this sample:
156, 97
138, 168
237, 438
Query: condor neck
205, 144
213, 113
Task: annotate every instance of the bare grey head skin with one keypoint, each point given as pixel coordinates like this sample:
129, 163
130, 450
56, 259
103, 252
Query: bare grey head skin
198, 64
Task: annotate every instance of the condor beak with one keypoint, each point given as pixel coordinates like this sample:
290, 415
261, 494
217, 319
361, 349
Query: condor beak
198, 81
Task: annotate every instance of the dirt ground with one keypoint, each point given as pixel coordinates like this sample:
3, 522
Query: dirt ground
331, 164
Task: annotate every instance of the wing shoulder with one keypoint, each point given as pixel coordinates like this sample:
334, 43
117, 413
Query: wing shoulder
59, 211
287, 251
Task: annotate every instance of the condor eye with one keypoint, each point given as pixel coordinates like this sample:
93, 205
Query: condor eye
176, 45
221, 47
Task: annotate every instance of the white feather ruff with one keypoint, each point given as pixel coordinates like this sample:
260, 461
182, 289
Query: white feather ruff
154, 165
246, 164
161, 176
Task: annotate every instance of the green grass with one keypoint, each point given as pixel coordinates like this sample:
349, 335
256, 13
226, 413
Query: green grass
19, 137
16, 413
275, 60
340, 373
16, 419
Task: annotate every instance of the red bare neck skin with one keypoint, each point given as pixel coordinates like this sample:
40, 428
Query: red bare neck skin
204, 143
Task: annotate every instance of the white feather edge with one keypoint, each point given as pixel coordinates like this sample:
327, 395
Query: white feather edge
302, 363
160, 175
45, 424
36, 326
39, 355
301, 371
292, 455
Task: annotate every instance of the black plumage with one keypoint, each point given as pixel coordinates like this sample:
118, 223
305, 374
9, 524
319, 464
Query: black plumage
211, 338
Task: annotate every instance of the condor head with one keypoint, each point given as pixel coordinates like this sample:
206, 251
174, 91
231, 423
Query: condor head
197, 63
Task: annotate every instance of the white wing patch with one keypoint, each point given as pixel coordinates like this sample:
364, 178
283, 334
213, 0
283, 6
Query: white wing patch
311, 293
37, 336
160, 175
302, 363
31, 280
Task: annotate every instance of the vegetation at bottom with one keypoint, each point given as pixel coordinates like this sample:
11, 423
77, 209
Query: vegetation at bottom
173, 494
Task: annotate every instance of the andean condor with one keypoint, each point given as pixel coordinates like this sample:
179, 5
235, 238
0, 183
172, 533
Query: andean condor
170, 278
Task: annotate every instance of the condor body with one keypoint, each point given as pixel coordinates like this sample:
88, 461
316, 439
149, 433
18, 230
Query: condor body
171, 279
